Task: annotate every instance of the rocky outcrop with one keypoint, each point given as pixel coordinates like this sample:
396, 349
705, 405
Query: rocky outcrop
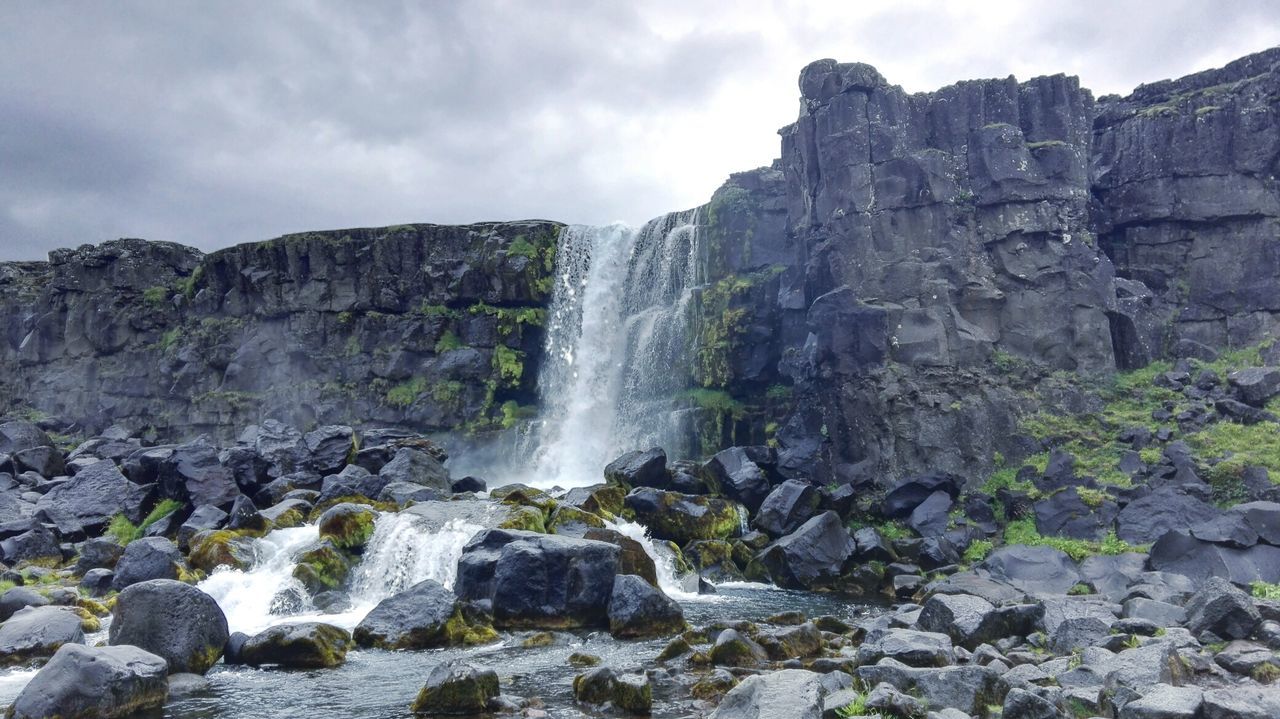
427, 326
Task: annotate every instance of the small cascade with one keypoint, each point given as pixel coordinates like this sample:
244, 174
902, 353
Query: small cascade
617, 348
664, 561
256, 598
402, 552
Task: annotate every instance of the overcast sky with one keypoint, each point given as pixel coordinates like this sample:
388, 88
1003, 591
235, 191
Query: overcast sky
217, 123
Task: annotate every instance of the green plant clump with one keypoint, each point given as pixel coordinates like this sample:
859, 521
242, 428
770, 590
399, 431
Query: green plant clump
977, 551
447, 342
124, 531
1264, 590
406, 393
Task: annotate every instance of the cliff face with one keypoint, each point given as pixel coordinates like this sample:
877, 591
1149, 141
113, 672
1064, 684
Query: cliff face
426, 325
1188, 207
952, 249
913, 274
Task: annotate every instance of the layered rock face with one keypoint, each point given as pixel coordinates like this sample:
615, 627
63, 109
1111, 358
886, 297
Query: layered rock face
1184, 174
425, 325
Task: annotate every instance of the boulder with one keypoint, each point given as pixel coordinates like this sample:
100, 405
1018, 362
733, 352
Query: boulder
37, 632
967, 619
1066, 514
328, 447
629, 693
194, 474
1256, 385
98, 553
785, 694
1164, 702
632, 559
348, 526
15, 599
531, 580
176, 621
1035, 570
457, 687
683, 518
86, 502
1023, 704
1180, 553
910, 493
929, 518
18, 435
1146, 519
1263, 518
812, 557
145, 559
734, 649
220, 548
740, 478
94, 683
912, 648
970, 689
639, 469
1221, 608
97, 582
1162, 614
788, 506
415, 466
36, 545
306, 645
205, 517
1241, 702
638, 609
418, 618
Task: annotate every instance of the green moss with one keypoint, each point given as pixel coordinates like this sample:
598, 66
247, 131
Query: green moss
1233, 447
322, 568
122, 530
721, 323
1263, 590
513, 413
1023, 531
508, 363
977, 551
406, 393
157, 296
169, 339
523, 248
447, 342
219, 548
190, 284
717, 401
348, 528
528, 519
1092, 497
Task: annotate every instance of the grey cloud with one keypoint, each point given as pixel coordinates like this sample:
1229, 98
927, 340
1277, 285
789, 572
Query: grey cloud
217, 123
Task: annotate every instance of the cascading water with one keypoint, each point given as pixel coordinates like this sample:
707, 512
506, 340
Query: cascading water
401, 553
616, 350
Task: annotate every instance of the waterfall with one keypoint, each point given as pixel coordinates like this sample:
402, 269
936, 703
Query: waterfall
402, 552
664, 561
617, 348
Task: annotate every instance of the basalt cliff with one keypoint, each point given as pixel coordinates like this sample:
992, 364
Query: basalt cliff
915, 275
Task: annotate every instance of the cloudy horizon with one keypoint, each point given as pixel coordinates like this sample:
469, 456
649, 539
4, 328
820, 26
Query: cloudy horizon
215, 124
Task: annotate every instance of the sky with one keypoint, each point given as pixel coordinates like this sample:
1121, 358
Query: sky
212, 124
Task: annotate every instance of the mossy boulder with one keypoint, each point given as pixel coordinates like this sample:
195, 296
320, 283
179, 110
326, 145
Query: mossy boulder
323, 567
348, 526
215, 548
286, 514
572, 521
715, 559
733, 649
683, 518
307, 645
524, 518
526, 496
457, 687
633, 559
424, 616
630, 693
605, 500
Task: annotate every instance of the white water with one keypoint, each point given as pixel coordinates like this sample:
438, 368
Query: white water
616, 351
401, 553
664, 562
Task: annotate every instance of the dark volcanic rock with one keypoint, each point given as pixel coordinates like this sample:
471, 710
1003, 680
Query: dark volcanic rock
178, 622
638, 609
305, 645
94, 683
86, 502
903, 499
1146, 519
683, 518
1221, 608
37, 632
538, 581
812, 557
639, 469
457, 688
416, 618
1033, 569
740, 478
145, 559
788, 506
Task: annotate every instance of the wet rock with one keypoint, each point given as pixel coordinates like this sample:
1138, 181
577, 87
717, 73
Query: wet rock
94, 683
627, 692
286, 514
733, 649
646, 468
220, 548
469, 484
1221, 608
423, 616
785, 694
185, 685
538, 581
910, 647
812, 557
176, 621
788, 506
348, 526
36, 633
85, 503
683, 518
456, 688
632, 559
638, 609
306, 645
145, 559
322, 567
